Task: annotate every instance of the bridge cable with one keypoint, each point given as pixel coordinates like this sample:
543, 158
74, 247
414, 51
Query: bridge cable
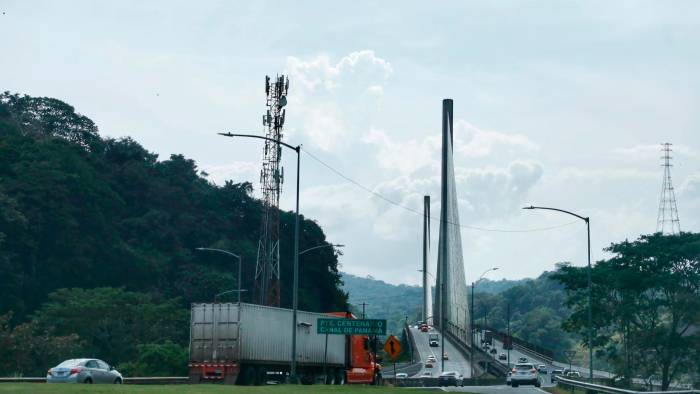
417, 212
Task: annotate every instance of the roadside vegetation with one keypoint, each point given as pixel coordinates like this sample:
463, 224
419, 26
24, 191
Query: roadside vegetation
97, 239
646, 307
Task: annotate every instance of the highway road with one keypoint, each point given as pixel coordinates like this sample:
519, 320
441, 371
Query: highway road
515, 354
456, 361
503, 389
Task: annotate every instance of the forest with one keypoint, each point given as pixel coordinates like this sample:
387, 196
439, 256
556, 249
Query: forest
97, 245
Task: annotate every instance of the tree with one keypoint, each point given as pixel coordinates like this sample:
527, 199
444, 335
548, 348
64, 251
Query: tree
645, 304
112, 321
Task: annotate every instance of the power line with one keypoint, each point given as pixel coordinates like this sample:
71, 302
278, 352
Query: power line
417, 212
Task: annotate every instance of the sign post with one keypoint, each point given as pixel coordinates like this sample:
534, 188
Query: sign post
392, 347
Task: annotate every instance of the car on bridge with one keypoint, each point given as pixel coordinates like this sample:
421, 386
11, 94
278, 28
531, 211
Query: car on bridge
426, 374
542, 368
445, 357
401, 375
450, 378
433, 340
432, 359
522, 360
525, 373
502, 357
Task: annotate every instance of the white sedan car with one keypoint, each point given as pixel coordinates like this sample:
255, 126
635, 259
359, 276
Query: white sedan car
83, 370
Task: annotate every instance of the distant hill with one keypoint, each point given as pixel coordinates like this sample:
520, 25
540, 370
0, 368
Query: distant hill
383, 300
536, 306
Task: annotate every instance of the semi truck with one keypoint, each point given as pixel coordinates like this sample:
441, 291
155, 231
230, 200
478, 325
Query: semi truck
250, 344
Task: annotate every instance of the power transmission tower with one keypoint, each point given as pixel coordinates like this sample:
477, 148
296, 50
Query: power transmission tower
667, 220
267, 267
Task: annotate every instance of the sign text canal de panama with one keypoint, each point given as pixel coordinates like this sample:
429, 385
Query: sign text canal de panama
351, 326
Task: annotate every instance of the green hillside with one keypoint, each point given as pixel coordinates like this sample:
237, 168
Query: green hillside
98, 238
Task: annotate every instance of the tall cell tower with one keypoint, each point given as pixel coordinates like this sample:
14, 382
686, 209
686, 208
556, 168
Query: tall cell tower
667, 220
267, 267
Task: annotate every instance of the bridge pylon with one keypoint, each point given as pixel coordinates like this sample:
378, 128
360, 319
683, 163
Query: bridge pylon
451, 312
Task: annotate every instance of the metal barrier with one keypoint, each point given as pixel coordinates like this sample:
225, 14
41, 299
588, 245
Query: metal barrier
598, 388
136, 380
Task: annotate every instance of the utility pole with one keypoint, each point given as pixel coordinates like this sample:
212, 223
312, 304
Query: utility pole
508, 335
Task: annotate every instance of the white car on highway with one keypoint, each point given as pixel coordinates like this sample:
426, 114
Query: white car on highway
525, 373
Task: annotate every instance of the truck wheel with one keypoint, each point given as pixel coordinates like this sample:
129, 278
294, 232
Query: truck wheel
340, 376
248, 376
260, 376
329, 378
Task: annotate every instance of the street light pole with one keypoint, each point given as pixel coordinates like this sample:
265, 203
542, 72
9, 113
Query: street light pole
295, 289
471, 322
590, 304
239, 270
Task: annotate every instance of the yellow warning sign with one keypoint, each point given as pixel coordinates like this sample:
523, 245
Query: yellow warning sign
392, 347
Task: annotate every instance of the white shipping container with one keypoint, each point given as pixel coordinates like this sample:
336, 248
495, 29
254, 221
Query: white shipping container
265, 336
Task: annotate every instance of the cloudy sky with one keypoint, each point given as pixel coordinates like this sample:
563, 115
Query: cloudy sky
556, 103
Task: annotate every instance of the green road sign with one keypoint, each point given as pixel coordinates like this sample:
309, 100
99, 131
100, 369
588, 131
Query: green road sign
351, 326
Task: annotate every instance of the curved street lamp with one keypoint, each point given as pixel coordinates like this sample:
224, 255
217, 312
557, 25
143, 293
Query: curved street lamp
237, 257
471, 320
295, 288
590, 309
322, 246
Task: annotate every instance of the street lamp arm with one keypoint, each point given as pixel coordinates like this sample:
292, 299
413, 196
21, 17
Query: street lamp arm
559, 210
486, 272
220, 251
294, 148
427, 272
320, 246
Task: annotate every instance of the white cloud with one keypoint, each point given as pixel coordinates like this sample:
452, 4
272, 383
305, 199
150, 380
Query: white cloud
651, 151
329, 102
474, 142
238, 171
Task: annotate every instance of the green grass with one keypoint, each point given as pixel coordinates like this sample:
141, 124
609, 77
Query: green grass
188, 389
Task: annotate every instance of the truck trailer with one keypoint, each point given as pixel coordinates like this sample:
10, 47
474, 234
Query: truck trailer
251, 344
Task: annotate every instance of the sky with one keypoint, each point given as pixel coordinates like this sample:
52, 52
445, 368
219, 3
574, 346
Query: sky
560, 104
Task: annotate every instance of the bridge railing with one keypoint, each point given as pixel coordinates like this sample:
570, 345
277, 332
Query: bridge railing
529, 347
599, 388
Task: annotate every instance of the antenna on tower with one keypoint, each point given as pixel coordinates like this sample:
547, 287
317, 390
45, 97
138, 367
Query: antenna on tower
667, 220
267, 266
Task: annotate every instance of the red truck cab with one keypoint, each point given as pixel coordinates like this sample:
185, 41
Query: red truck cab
361, 364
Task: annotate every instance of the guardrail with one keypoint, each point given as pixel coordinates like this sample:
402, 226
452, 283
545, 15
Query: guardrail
492, 366
599, 388
134, 380
533, 353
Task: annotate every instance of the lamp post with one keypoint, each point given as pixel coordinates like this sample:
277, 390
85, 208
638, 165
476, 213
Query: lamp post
590, 308
239, 271
425, 318
471, 323
295, 288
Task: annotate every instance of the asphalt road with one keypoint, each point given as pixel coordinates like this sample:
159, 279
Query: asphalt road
496, 390
455, 362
